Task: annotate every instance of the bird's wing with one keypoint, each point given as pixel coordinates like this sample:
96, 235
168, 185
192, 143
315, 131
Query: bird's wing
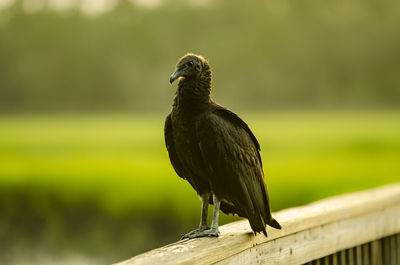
169, 143
233, 118
231, 153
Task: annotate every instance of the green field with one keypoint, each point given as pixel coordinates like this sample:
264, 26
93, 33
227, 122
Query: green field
60, 171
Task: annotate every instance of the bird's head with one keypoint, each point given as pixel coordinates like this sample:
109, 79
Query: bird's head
189, 66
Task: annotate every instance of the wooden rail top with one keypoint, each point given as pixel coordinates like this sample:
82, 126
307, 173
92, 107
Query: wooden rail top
308, 232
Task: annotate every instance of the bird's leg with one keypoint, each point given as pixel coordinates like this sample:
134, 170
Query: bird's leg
204, 211
203, 221
214, 224
204, 230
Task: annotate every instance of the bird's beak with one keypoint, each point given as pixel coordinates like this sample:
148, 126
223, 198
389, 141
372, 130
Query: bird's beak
174, 76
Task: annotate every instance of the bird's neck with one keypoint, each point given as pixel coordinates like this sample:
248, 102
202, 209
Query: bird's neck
193, 94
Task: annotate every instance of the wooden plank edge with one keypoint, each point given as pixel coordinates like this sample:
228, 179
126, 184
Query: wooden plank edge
319, 242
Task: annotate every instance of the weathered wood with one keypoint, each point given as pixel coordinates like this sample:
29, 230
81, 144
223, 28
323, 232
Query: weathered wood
335, 259
316, 242
359, 255
398, 248
392, 240
309, 232
343, 257
366, 254
386, 251
376, 252
350, 257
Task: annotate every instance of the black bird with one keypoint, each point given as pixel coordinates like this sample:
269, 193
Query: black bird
215, 151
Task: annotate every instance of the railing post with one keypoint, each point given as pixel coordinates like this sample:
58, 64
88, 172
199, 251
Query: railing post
376, 252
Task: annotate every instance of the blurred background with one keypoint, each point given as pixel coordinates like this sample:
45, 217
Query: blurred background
84, 174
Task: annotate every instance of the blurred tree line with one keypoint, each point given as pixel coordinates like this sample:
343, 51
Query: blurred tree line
265, 55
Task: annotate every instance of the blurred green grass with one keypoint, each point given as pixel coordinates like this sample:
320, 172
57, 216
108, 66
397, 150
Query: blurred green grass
120, 161
103, 183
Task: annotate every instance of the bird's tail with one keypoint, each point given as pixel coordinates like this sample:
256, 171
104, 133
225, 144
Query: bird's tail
273, 223
259, 224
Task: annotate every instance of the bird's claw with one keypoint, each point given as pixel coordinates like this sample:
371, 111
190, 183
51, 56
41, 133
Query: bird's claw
205, 232
195, 232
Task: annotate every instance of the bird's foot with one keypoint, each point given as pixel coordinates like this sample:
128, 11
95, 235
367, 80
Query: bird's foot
196, 231
203, 231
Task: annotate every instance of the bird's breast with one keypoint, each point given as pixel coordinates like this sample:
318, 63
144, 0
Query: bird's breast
187, 146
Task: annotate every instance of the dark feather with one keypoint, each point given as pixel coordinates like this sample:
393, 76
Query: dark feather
169, 143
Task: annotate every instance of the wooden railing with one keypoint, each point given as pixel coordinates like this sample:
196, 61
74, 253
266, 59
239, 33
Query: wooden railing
357, 228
